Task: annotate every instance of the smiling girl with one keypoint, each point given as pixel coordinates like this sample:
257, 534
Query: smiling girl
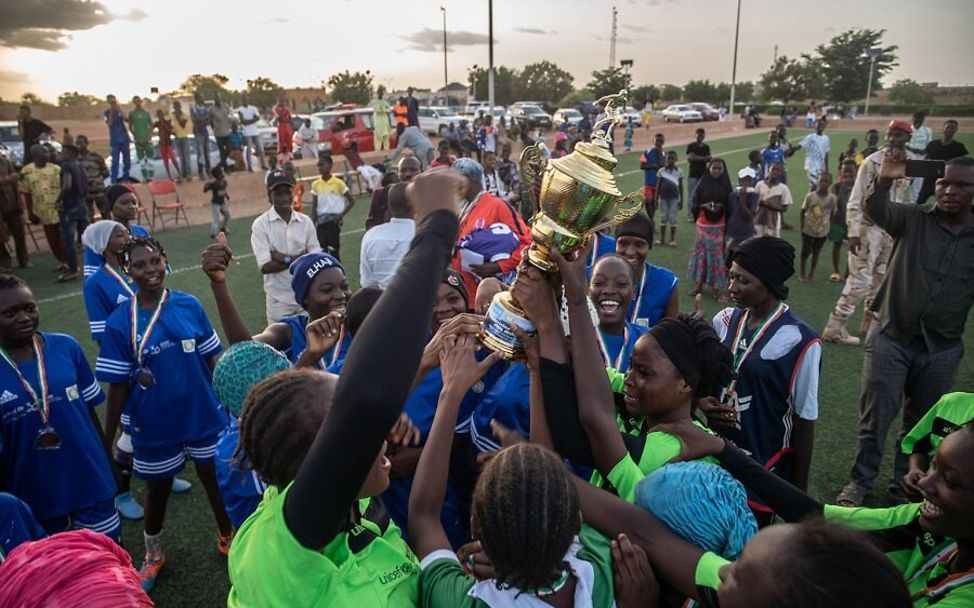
656, 293
158, 355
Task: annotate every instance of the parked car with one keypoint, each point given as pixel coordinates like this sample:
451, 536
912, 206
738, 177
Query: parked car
435, 119
531, 114
473, 107
11, 146
707, 111
569, 115
159, 169
632, 114
547, 107
681, 113
339, 128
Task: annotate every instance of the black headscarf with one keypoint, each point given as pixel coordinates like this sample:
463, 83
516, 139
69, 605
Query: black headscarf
710, 189
639, 226
696, 351
770, 259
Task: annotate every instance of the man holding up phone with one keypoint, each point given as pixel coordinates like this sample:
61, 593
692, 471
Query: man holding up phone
869, 245
912, 355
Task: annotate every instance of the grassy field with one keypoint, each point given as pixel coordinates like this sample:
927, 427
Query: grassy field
195, 574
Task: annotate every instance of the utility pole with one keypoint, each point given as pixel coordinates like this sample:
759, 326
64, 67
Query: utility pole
490, 56
873, 55
737, 33
612, 39
774, 59
446, 80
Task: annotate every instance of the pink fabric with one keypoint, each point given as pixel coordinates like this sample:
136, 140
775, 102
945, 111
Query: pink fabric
77, 568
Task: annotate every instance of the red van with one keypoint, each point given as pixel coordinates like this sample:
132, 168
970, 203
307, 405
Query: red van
339, 128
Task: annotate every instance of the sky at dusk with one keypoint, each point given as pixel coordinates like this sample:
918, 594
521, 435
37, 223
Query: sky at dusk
125, 47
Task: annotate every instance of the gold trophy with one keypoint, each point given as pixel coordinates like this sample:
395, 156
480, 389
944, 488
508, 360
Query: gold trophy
576, 196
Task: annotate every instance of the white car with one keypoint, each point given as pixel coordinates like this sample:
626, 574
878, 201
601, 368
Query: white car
435, 119
681, 113
569, 115
632, 114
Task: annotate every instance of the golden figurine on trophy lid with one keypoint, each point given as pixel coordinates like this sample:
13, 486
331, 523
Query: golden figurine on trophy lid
576, 196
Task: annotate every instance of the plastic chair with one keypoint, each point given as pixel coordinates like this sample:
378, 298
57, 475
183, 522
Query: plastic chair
159, 189
352, 178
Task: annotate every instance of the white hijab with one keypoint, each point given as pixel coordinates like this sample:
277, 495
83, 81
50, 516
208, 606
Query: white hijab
97, 235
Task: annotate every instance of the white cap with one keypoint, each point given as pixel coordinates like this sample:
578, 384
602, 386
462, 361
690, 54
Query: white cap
746, 172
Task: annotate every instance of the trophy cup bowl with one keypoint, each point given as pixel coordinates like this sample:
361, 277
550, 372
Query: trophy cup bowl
576, 196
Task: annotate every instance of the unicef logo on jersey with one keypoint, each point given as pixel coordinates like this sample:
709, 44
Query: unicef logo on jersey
399, 572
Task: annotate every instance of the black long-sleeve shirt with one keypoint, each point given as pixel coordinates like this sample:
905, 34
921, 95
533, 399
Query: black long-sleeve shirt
367, 399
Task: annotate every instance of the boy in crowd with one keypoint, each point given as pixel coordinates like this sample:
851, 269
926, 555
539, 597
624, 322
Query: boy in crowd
650, 162
669, 197
96, 171
41, 182
330, 201
698, 155
773, 198
850, 152
72, 210
838, 231
755, 163
772, 153
164, 126
872, 144
140, 122
817, 210
236, 143
217, 187
742, 204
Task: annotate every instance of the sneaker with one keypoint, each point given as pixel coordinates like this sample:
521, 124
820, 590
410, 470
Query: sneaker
835, 278
128, 507
180, 486
672, 243
223, 543
150, 571
67, 277
851, 495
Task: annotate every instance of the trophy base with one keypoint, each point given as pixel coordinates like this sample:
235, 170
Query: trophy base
497, 334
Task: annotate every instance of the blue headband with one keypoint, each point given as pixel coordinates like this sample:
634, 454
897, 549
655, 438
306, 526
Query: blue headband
306, 268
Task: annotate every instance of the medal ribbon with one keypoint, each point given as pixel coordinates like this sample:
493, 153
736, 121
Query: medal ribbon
138, 345
739, 361
121, 280
43, 403
338, 346
639, 296
605, 348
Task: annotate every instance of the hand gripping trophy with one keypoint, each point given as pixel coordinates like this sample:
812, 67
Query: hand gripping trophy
576, 196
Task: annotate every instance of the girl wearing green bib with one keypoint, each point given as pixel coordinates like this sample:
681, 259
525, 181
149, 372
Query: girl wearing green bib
677, 362
320, 537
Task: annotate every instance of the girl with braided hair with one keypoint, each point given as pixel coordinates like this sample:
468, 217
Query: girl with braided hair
672, 366
525, 514
157, 355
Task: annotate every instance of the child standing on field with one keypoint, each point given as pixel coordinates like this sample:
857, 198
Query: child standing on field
816, 217
629, 132
217, 187
669, 197
163, 126
838, 231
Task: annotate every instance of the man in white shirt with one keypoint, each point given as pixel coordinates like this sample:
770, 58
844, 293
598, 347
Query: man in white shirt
279, 236
918, 146
816, 153
384, 246
249, 115
492, 179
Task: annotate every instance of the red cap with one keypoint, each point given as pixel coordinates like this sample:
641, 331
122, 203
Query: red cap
902, 125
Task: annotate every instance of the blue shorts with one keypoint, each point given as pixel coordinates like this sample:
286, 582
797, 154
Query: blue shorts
100, 517
163, 462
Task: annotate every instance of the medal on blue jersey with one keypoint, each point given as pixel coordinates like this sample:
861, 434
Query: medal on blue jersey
143, 375
120, 279
337, 349
638, 298
605, 348
47, 437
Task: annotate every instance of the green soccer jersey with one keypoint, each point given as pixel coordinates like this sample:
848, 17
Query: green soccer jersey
444, 584
140, 122
948, 414
366, 566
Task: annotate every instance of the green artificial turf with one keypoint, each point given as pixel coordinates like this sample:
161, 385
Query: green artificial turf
195, 574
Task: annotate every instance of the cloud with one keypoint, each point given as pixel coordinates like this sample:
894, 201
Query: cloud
637, 28
619, 39
429, 40
45, 24
11, 77
534, 30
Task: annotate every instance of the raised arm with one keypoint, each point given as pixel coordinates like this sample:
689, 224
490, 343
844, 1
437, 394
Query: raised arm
596, 410
368, 401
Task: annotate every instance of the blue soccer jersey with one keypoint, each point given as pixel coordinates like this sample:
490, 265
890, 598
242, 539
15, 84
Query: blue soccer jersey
602, 244
242, 488
93, 261
75, 475
17, 524
179, 405
299, 342
617, 349
104, 291
508, 401
653, 293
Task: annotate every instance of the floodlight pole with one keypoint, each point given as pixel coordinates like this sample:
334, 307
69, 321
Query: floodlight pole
446, 80
490, 57
873, 55
737, 34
